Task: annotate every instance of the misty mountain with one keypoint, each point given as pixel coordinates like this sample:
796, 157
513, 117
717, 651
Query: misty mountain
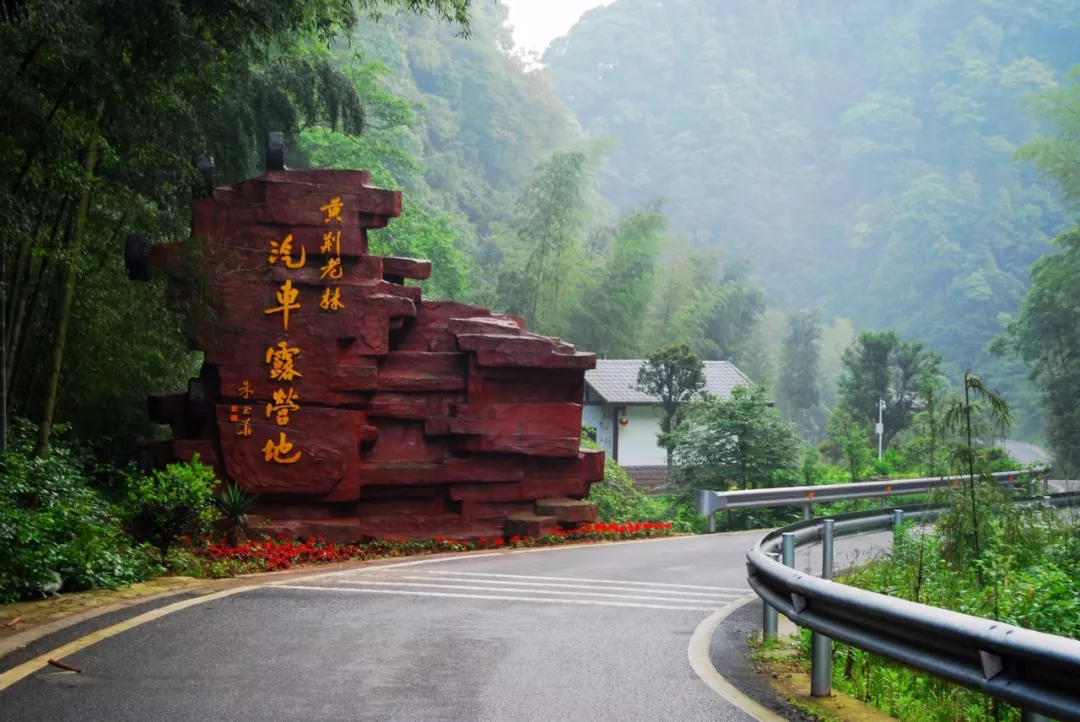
861, 153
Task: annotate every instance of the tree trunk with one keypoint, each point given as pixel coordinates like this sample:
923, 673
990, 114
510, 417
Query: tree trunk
971, 480
20, 273
29, 308
45, 430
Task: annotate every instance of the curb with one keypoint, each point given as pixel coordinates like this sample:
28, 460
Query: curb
700, 655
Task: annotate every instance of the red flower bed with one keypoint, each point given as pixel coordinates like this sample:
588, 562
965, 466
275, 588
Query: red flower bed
222, 559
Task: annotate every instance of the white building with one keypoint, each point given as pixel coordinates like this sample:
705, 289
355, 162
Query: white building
627, 420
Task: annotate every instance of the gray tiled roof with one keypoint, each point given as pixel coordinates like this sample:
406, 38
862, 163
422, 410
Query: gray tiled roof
614, 380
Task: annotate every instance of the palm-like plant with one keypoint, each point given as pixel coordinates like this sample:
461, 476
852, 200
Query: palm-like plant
970, 418
235, 503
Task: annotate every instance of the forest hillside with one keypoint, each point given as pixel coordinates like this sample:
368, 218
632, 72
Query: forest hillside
860, 154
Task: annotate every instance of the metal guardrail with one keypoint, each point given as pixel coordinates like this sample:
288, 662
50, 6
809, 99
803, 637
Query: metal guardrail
710, 502
1037, 672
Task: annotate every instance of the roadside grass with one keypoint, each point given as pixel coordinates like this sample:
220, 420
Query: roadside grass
780, 662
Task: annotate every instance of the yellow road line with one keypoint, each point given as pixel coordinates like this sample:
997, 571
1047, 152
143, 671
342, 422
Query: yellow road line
26, 669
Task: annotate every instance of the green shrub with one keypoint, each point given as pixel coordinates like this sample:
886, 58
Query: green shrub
167, 504
53, 523
617, 499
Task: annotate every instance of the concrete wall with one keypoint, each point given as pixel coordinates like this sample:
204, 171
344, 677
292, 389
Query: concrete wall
637, 440
602, 418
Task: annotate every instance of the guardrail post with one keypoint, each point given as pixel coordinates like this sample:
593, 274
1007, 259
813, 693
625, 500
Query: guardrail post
827, 527
1029, 716
789, 548
1047, 501
712, 523
769, 620
884, 501
897, 518
820, 645
806, 510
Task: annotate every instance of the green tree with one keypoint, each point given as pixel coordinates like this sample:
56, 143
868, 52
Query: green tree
979, 413
737, 442
676, 376
1046, 335
1056, 151
422, 231
709, 305
167, 504
932, 394
798, 390
551, 217
848, 442
614, 306
881, 366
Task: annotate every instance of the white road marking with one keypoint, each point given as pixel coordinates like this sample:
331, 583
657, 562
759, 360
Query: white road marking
742, 590
699, 653
590, 602
473, 587
379, 567
719, 596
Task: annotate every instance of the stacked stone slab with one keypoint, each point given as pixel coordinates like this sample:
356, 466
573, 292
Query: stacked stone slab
415, 418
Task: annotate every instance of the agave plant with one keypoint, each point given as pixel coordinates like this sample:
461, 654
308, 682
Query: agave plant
235, 503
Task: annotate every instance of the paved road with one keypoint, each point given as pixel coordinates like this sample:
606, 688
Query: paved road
1026, 453
599, 632
1030, 454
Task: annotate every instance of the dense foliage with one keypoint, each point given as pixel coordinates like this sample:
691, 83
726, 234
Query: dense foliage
1046, 334
103, 105
861, 153
56, 531
737, 442
481, 123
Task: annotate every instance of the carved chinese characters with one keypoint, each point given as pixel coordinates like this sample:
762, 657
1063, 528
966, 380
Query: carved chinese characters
331, 250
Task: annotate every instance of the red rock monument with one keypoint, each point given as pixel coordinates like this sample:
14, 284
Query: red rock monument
350, 405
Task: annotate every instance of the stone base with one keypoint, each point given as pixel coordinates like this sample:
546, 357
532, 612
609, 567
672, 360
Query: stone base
567, 510
353, 531
530, 525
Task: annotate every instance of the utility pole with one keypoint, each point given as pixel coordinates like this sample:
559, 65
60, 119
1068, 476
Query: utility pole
879, 428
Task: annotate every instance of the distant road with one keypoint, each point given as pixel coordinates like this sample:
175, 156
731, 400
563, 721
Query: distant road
1026, 453
1031, 454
